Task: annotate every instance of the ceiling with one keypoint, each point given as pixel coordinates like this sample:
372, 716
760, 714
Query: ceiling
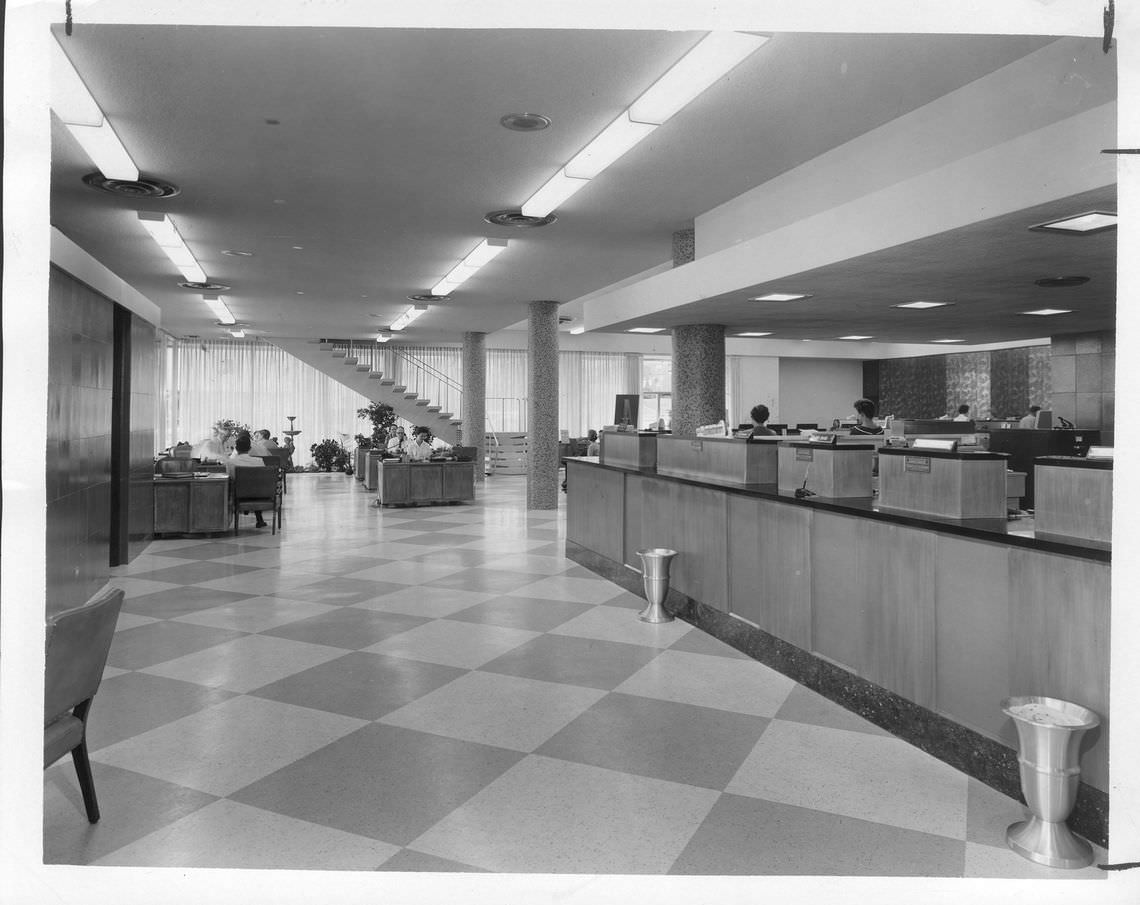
387, 151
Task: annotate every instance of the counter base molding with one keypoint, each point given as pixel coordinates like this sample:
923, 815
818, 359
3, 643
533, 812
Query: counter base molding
962, 748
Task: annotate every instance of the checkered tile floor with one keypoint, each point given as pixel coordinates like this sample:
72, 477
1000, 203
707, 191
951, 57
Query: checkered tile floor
439, 689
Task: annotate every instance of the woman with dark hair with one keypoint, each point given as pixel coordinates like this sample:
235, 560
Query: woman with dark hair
759, 415
963, 413
865, 418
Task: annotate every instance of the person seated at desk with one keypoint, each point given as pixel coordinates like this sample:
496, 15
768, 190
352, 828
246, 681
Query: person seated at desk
261, 445
1029, 422
865, 418
241, 458
398, 443
420, 449
593, 445
963, 413
213, 448
759, 415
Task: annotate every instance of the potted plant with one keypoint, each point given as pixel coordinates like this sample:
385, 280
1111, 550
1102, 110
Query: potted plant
329, 455
383, 419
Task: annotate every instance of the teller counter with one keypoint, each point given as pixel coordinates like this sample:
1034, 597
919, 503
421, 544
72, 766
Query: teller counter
185, 503
719, 458
404, 483
921, 624
630, 449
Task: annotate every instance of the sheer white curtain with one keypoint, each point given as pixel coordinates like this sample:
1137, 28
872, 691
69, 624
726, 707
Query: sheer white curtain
587, 385
506, 390
259, 384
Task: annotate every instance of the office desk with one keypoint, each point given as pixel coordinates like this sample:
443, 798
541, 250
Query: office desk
424, 482
192, 505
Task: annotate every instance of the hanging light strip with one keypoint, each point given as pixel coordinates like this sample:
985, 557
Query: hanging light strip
218, 305
77, 109
407, 317
716, 54
487, 250
167, 237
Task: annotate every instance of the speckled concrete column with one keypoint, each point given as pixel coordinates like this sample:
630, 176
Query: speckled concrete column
474, 363
698, 376
684, 246
542, 407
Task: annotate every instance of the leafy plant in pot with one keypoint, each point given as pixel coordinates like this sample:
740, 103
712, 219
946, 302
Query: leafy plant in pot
329, 455
383, 418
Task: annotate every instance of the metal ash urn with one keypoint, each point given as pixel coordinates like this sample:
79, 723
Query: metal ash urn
655, 579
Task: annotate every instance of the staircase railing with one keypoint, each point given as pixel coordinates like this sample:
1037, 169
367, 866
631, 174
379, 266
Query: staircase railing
448, 394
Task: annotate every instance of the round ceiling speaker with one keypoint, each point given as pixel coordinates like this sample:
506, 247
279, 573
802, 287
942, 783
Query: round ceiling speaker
517, 219
428, 297
1054, 282
143, 187
525, 122
205, 287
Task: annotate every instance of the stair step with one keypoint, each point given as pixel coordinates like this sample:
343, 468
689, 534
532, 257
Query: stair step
353, 362
411, 396
375, 375
455, 422
339, 353
446, 416
399, 389
434, 408
422, 402
387, 382
364, 369
326, 347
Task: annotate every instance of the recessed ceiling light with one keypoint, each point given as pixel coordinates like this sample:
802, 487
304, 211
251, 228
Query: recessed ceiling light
645, 330
525, 122
856, 337
576, 331
922, 305
1061, 282
298, 248
300, 292
238, 254
1080, 224
383, 337
1045, 312
946, 340
781, 297
237, 333
753, 334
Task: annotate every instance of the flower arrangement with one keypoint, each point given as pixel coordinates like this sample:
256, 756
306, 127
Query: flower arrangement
329, 455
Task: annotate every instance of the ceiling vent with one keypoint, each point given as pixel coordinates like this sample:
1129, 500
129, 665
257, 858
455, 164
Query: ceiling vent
525, 122
205, 287
1056, 282
564, 318
518, 219
143, 187
427, 297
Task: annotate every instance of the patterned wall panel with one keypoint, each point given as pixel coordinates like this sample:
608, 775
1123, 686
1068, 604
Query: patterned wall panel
144, 376
1039, 376
1009, 382
968, 382
78, 453
913, 387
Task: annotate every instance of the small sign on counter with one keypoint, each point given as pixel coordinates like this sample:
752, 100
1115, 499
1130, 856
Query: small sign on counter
917, 463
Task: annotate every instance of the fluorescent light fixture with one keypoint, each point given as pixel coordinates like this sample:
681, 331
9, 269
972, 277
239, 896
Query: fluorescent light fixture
487, 250
947, 340
781, 297
238, 333
613, 141
1080, 224
922, 306
218, 305
407, 317
106, 151
1046, 312
167, 237
716, 54
577, 331
645, 330
556, 190
383, 337
856, 337
753, 334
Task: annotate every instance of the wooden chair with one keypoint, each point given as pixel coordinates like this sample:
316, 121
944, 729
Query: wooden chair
255, 490
77, 644
278, 462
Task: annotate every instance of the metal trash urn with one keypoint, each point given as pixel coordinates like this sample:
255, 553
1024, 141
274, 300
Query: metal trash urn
655, 578
1049, 733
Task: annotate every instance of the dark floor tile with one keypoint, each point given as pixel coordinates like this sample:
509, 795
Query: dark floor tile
363, 685
491, 581
209, 551
431, 538
573, 661
522, 612
195, 572
408, 860
682, 743
347, 627
454, 557
157, 642
339, 591
342, 564
383, 782
176, 602
699, 642
132, 703
132, 805
750, 836
806, 706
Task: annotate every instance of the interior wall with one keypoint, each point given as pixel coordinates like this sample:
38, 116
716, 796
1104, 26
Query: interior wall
818, 390
78, 453
757, 380
1084, 379
145, 362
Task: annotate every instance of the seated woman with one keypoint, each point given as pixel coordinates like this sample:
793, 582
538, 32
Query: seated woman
865, 418
759, 415
420, 449
593, 445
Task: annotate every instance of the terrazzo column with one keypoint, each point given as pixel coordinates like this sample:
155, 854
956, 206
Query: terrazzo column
684, 246
542, 407
698, 377
474, 366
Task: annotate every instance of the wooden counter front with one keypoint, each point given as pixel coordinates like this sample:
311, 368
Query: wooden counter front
1074, 497
192, 505
629, 449
836, 472
719, 459
959, 485
424, 482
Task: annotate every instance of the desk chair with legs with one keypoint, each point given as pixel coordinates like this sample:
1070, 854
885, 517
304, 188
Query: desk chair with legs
255, 490
77, 644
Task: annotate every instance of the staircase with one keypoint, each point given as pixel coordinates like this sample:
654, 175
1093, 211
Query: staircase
337, 362
506, 453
